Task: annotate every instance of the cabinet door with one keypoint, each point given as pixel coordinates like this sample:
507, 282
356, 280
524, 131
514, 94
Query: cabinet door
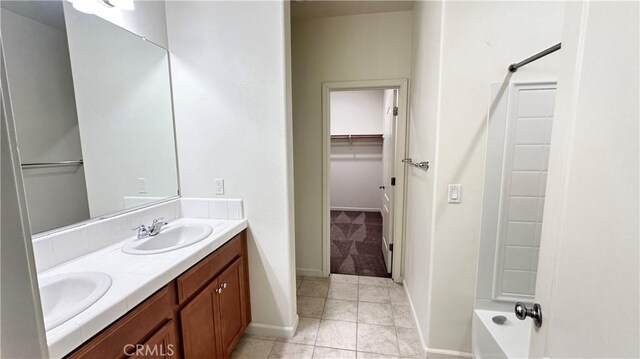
199, 330
121, 338
162, 345
231, 302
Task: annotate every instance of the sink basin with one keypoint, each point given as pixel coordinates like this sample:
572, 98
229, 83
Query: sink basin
171, 238
64, 296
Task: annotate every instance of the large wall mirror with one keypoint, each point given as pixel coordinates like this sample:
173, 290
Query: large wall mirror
93, 113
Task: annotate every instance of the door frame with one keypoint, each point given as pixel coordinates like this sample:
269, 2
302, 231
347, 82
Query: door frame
402, 132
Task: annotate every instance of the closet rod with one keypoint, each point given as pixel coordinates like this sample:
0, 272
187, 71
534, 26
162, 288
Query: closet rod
355, 137
541, 54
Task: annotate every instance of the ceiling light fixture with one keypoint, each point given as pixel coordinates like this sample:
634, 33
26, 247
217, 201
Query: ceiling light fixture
93, 6
85, 6
120, 4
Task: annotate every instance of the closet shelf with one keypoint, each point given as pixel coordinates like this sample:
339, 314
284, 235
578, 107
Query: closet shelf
351, 138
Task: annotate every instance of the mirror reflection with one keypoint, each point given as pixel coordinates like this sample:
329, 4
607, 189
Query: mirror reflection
93, 113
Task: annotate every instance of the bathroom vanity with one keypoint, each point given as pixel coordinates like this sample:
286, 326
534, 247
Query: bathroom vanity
200, 314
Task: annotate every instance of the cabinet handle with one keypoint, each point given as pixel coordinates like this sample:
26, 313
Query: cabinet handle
224, 285
218, 290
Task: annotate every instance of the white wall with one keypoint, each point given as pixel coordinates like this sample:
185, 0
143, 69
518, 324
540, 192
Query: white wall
454, 66
148, 19
344, 48
356, 166
356, 112
123, 97
41, 89
355, 174
589, 269
231, 85
423, 135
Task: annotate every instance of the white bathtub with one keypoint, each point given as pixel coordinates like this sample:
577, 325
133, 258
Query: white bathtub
490, 340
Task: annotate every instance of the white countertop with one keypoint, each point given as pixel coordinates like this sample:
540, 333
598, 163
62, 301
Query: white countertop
135, 278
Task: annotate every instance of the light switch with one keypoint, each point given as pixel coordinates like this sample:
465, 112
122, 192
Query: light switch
455, 192
142, 185
219, 185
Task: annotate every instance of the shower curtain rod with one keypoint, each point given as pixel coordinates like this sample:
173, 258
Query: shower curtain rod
552, 49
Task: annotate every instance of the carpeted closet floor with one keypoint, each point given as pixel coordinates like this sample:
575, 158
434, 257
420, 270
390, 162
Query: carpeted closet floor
356, 244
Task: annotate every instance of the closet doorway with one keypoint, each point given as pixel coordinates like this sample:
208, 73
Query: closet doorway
364, 132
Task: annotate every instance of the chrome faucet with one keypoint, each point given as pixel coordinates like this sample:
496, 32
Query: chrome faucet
152, 230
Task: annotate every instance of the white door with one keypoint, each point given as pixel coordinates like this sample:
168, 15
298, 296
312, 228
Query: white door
589, 264
387, 187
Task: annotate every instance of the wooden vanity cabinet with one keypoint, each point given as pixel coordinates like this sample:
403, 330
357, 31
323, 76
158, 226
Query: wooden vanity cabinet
162, 345
141, 325
213, 321
200, 314
230, 301
200, 330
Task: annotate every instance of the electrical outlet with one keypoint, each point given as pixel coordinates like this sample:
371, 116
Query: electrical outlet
219, 185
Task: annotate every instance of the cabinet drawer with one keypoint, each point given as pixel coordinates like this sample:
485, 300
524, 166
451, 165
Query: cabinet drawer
201, 274
161, 345
133, 329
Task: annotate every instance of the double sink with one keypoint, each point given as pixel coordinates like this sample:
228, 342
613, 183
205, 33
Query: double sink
64, 296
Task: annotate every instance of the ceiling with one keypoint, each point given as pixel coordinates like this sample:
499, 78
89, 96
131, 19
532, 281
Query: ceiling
46, 12
308, 9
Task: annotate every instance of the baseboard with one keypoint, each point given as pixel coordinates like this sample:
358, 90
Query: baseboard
425, 348
356, 209
308, 272
447, 353
267, 330
415, 317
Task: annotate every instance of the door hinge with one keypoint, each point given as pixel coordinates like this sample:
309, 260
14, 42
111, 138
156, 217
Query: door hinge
395, 111
393, 181
390, 247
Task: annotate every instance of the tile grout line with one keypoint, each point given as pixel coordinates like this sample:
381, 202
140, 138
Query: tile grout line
395, 329
324, 306
357, 311
273, 345
326, 298
393, 315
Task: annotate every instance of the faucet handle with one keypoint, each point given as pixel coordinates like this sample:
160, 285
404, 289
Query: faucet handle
140, 227
160, 219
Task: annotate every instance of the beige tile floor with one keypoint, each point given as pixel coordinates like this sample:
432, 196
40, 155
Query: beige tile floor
344, 316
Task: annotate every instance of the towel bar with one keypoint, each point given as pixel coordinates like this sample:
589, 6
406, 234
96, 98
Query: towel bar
421, 165
52, 164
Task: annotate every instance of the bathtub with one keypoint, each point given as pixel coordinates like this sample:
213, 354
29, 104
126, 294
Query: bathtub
490, 340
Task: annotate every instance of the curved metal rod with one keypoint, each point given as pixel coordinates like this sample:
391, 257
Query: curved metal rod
421, 165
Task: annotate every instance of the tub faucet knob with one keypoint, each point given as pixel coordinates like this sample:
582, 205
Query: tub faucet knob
522, 312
